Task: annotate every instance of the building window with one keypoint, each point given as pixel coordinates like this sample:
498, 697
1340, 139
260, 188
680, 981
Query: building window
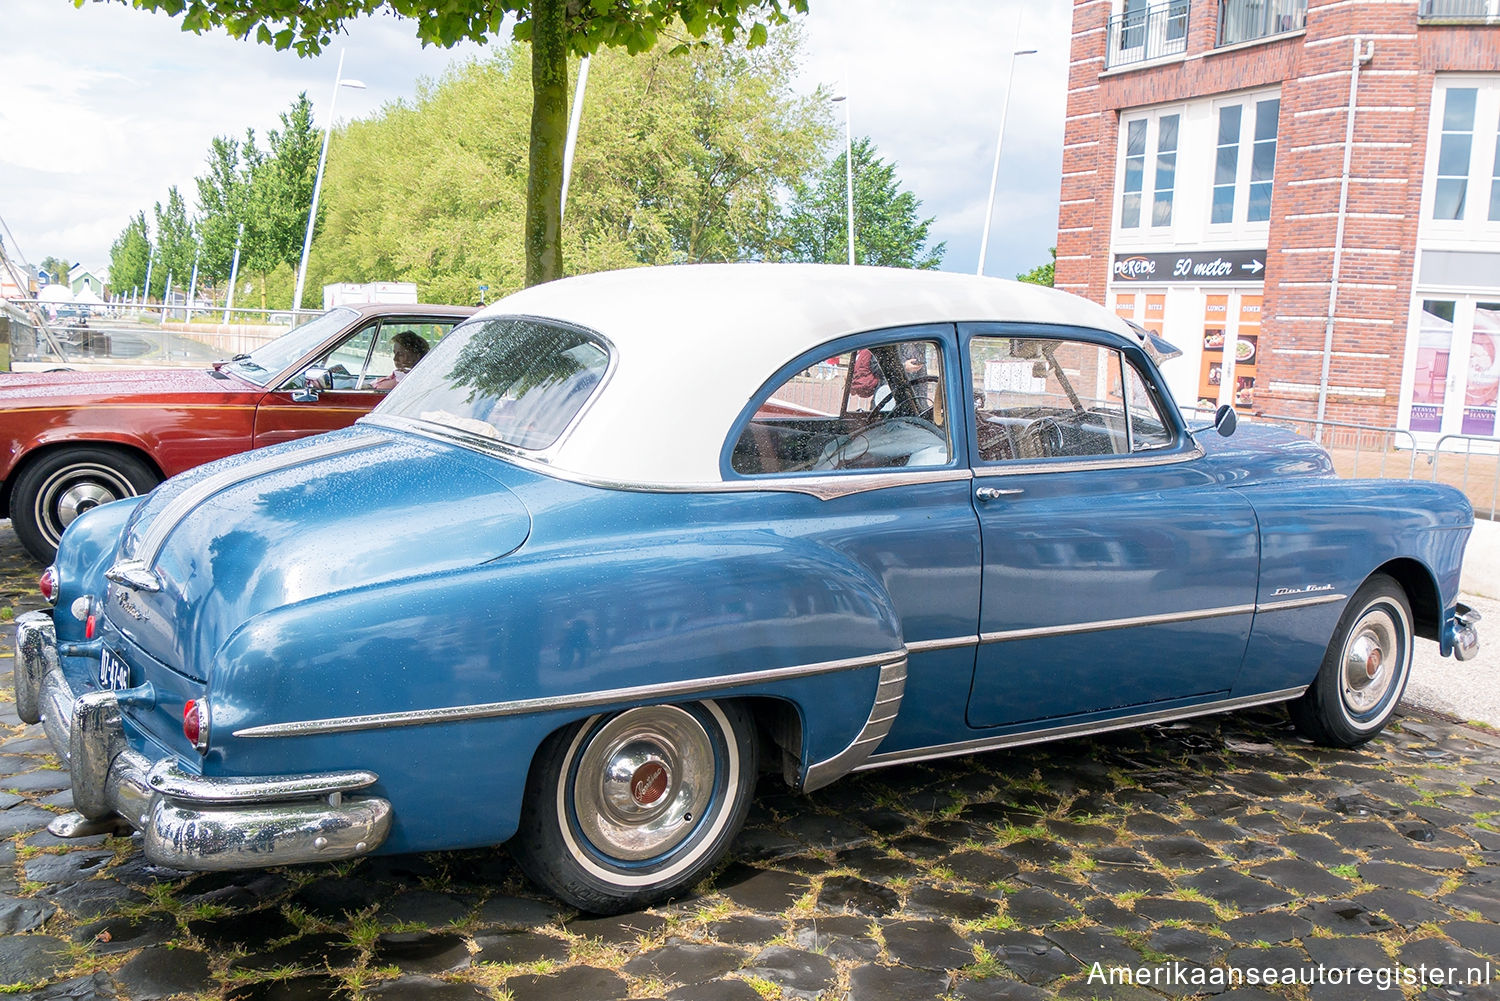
1461, 191
1166, 169
1242, 184
1247, 20
1455, 149
1152, 141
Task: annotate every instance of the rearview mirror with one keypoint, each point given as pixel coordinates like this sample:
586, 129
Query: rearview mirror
1225, 420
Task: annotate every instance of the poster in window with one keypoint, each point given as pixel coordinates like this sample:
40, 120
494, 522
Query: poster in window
1246, 351
1484, 371
1430, 381
1215, 325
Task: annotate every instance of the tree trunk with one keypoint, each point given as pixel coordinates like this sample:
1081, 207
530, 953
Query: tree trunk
549, 133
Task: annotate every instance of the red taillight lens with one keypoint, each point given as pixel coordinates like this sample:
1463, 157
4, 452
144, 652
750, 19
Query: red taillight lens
88, 626
47, 584
195, 724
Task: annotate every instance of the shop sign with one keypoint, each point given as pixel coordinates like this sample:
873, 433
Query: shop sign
1192, 267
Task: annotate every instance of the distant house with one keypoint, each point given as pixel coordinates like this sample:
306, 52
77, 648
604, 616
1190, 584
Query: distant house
80, 278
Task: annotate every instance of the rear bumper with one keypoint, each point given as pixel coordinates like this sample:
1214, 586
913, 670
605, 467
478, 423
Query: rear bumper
188, 821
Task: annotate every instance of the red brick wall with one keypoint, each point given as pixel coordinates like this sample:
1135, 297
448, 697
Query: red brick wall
1384, 201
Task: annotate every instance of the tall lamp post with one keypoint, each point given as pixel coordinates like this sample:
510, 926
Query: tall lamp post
989, 209
848, 171
312, 213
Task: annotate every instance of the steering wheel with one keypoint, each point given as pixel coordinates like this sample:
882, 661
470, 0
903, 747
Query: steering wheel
875, 407
1045, 436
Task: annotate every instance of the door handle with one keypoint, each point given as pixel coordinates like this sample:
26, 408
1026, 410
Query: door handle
995, 493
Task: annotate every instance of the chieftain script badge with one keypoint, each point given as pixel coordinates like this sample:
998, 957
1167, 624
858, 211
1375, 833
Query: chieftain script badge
1309, 589
130, 608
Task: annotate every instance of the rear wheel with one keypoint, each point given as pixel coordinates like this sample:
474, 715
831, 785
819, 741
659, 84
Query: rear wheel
1364, 671
627, 809
55, 489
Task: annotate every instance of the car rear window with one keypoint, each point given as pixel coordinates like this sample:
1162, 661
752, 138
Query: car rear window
518, 380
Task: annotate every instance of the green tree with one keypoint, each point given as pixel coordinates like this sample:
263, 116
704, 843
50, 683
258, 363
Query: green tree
57, 267
176, 243
680, 158
887, 229
128, 255
555, 29
1042, 273
223, 201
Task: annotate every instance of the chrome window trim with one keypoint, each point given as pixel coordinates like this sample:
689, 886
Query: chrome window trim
549, 703
178, 508
1065, 465
1076, 729
821, 487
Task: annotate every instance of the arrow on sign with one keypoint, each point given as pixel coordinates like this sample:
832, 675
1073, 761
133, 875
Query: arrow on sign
1253, 267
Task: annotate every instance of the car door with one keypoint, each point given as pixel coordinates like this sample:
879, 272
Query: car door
355, 362
1117, 572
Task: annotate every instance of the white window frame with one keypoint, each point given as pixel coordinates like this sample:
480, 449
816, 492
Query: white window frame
1143, 229
1239, 223
1484, 150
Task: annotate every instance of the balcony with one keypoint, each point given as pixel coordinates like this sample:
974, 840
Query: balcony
1145, 34
1459, 11
1247, 20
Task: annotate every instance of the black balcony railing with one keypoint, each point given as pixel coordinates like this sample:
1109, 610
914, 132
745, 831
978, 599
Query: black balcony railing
1147, 33
1247, 20
1464, 11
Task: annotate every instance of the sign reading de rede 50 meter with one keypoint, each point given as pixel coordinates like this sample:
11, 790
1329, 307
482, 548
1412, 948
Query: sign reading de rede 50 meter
1192, 266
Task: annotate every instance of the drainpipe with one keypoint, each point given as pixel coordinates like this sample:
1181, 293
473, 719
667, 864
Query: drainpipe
1364, 50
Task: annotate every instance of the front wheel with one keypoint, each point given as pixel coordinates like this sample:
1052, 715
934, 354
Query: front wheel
61, 485
627, 809
1364, 671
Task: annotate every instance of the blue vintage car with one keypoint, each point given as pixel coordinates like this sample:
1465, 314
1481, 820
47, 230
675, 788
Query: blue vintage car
627, 541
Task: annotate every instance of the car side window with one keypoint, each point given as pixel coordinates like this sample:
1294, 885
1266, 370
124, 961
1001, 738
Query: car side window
418, 337
346, 362
879, 407
1043, 398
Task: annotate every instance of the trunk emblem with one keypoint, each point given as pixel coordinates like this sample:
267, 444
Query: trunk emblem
129, 607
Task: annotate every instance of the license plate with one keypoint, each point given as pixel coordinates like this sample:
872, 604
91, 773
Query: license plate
114, 673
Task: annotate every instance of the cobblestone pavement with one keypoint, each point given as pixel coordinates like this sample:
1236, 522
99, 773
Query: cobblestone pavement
1195, 850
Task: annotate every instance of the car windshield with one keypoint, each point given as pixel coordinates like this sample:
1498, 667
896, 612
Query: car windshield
518, 380
267, 361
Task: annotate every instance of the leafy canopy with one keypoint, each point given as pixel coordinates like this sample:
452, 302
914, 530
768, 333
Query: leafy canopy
1042, 273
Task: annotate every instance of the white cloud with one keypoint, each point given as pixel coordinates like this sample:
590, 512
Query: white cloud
105, 107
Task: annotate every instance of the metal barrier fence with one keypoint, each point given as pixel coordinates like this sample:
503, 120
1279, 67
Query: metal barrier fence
1466, 461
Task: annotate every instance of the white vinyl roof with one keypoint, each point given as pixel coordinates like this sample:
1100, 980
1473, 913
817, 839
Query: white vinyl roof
694, 343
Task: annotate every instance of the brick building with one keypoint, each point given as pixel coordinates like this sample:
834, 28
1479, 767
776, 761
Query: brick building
1204, 195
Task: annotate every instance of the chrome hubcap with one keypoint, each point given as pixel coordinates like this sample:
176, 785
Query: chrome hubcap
1371, 661
642, 781
79, 499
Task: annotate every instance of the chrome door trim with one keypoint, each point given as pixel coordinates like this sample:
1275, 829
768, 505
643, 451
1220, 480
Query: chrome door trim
1103, 625
1281, 606
550, 703
1076, 729
950, 643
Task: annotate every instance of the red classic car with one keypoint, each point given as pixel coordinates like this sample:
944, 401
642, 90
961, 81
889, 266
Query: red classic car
70, 441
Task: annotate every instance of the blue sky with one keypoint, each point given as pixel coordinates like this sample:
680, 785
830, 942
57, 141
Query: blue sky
103, 107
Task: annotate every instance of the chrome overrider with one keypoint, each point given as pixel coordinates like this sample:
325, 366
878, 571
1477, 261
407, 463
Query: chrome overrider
188, 821
1461, 632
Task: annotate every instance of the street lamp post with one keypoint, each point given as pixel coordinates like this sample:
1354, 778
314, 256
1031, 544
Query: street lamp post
312, 213
234, 273
572, 143
848, 171
989, 209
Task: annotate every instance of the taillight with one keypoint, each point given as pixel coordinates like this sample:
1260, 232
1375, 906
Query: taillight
47, 584
195, 724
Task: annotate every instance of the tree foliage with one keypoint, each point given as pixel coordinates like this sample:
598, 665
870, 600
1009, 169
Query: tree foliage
556, 29
175, 245
57, 268
128, 255
1042, 273
888, 231
680, 158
